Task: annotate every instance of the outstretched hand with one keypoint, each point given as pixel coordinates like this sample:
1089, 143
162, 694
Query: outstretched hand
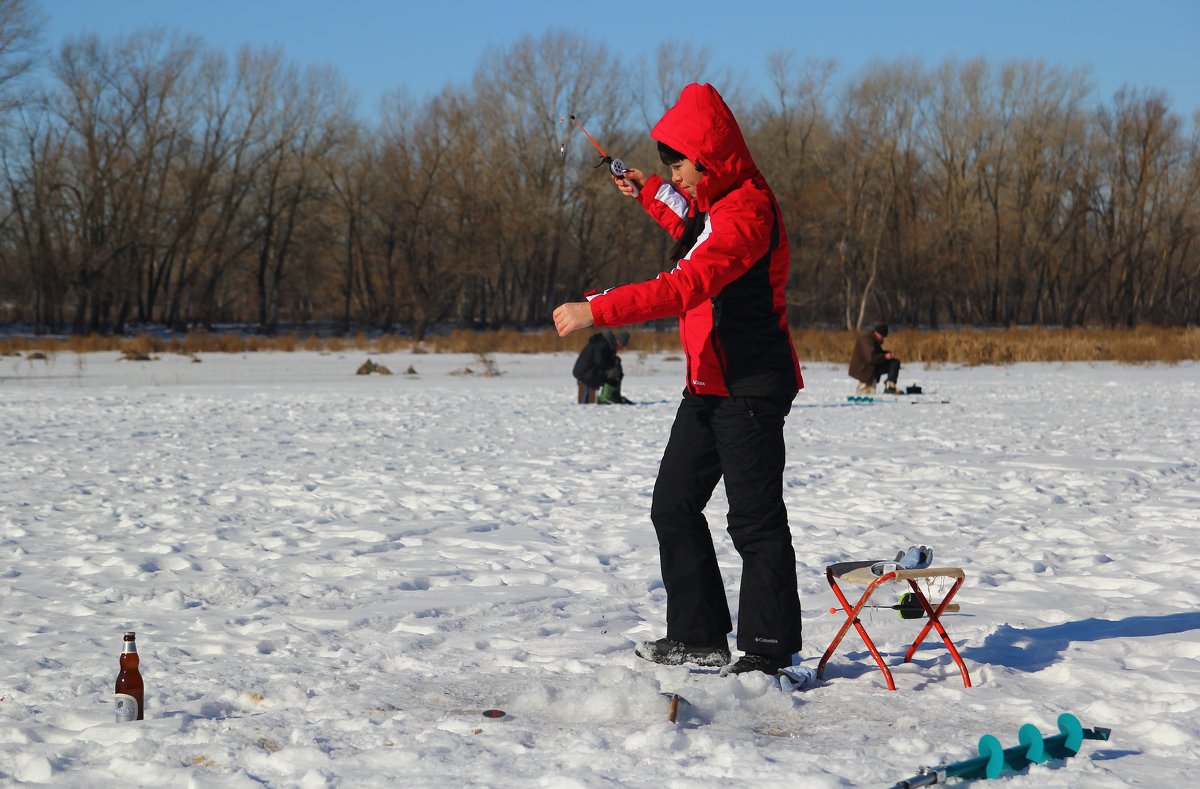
572, 316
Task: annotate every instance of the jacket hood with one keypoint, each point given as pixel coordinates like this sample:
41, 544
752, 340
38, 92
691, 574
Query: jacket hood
701, 127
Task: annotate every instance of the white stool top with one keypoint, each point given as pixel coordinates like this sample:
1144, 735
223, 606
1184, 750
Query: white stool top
860, 572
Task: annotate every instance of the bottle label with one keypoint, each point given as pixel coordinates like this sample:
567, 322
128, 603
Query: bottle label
127, 708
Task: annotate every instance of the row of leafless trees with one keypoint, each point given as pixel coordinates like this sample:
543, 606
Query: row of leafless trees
156, 181
974, 194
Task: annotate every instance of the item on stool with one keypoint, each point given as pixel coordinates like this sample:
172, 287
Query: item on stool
915, 558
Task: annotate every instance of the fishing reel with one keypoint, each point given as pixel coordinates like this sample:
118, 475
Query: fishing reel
615, 166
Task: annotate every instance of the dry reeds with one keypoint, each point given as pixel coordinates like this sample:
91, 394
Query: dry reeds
1143, 345
1007, 346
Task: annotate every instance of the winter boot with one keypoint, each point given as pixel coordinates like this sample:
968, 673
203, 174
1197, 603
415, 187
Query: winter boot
890, 388
669, 652
767, 664
865, 389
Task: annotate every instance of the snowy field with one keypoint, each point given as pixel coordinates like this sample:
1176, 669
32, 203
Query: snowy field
331, 576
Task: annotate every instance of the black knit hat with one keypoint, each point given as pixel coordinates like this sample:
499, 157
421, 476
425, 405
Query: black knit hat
882, 329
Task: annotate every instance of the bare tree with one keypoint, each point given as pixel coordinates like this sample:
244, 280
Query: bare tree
34, 246
666, 71
98, 173
1140, 147
955, 134
303, 122
791, 139
21, 28
350, 172
533, 208
227, 159
878, 177
127, 110
158, 86
425, 211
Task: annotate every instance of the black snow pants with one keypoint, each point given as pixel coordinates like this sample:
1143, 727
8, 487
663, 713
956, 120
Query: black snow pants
741, 439
890, 368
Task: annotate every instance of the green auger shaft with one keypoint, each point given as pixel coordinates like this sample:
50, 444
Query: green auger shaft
994, 759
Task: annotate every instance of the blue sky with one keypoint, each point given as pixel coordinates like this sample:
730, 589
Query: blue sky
423, 45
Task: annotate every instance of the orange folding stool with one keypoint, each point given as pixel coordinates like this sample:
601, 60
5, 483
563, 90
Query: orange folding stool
860, 573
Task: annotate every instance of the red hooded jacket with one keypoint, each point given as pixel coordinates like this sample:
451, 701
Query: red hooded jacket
729, 290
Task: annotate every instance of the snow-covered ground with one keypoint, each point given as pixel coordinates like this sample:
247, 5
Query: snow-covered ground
331, 576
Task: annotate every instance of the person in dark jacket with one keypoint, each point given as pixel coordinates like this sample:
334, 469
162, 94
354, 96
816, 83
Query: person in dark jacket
727, 288
598, 369
869, 362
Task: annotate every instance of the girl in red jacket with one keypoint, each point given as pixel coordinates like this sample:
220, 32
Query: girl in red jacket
728, 290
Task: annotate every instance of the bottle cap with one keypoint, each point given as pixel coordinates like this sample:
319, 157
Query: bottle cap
130, 636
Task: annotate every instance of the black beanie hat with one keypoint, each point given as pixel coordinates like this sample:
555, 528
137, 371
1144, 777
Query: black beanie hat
881, 328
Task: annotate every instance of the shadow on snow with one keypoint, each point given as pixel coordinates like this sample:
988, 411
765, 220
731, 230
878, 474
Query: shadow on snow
1037, 648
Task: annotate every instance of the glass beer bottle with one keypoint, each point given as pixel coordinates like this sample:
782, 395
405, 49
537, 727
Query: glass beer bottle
129, 690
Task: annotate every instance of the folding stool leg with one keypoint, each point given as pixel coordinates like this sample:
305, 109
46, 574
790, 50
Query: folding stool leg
936, 622
852, 619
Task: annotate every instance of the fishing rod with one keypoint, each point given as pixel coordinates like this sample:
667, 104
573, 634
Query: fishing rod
615, 166
908, 606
